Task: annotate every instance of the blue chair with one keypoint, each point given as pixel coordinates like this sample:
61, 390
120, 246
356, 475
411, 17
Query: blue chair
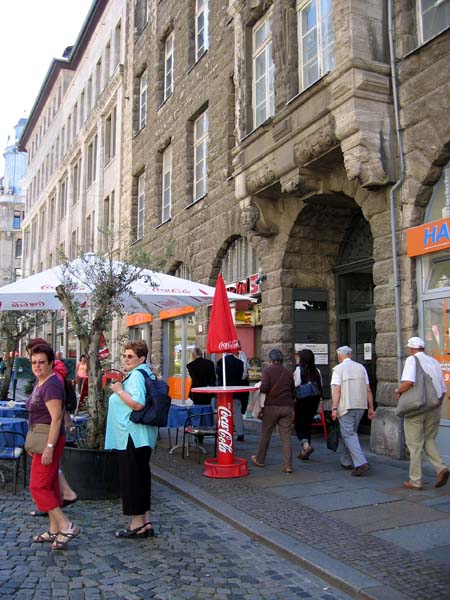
11, 450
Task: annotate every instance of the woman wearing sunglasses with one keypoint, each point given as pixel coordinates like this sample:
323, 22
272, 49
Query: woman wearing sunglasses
46, 407
133, 441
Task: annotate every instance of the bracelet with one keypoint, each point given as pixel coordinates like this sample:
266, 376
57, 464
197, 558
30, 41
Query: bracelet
333, 409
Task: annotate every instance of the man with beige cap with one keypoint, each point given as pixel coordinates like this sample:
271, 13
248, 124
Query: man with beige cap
421, 430
351, 396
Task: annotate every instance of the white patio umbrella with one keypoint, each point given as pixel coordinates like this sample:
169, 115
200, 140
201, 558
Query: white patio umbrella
152, 292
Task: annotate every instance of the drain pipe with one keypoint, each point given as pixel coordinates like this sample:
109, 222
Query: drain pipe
392, 202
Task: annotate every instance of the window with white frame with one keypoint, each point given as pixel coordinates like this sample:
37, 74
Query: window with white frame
91, 161
263, 70
315, 40
62, 199
201, 156
166, 204
239, 262
433, 17
140, 207
76, 174
143, 100
168, 67
110, 135
201, 28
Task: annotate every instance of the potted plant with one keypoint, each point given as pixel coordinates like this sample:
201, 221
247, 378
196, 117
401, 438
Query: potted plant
106, 282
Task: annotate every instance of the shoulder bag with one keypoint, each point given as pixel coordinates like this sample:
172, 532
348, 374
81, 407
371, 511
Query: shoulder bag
420, 398
37, 438
307, 390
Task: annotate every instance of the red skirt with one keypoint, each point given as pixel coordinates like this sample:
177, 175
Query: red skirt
44, 479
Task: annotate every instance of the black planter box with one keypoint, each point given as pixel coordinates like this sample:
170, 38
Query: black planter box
93, 474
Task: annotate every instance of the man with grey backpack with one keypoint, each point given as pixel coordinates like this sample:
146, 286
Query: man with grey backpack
421, 429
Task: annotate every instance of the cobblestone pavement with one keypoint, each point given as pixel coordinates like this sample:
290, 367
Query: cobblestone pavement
409, 573
193, 556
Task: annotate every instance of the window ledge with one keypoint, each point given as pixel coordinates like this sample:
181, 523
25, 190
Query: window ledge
165, 101
162, 223
196, 201
426, 43
196, 61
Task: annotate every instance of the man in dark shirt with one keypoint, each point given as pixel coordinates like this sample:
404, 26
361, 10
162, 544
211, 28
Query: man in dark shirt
234, 370
202, 373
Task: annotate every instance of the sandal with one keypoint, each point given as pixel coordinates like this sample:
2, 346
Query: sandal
47, 536
129, 533
61, 544
38, 513
146, 530
255, 462
69, 502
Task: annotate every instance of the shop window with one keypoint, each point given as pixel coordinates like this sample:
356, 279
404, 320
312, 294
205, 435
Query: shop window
439, 206
263, 71
315, 40
433, 17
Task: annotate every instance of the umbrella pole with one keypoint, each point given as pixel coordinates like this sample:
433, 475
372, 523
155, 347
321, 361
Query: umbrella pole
224, 377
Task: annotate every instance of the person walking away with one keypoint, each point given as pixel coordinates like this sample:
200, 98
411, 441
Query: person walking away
306, 408
59, 368
203, 374
278, 385
234, 369
421, 430
133, 441
82, 374
46, 406
351, 396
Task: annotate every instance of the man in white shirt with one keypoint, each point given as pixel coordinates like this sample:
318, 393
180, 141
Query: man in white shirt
351, 395
421, 430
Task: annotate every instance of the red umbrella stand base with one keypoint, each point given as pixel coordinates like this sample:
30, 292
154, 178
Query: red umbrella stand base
238, 468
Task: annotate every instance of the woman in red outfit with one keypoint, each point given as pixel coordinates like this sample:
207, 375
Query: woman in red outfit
46, 405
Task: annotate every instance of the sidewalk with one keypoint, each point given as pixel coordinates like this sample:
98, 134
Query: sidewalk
366, 535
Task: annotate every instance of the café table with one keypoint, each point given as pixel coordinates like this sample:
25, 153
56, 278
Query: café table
178, 414
12, 411
13, 424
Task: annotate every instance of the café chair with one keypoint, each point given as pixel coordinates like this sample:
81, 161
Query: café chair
196, 428
11, 450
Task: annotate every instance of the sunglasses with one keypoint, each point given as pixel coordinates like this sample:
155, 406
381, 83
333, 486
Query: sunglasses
129, 356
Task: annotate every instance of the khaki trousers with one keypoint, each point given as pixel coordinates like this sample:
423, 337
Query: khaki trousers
281, 416
420, 433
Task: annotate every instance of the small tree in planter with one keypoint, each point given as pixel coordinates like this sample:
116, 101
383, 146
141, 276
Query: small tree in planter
107, 282
14, 326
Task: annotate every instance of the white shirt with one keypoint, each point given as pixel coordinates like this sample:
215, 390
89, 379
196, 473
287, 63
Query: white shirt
242, 356
430, 365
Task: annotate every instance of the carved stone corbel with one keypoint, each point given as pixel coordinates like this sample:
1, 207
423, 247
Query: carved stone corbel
261, 178
253, 221
300, 182
362, 159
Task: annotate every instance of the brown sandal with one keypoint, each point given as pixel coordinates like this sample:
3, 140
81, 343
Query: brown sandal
61, 544
47, 536
255, 462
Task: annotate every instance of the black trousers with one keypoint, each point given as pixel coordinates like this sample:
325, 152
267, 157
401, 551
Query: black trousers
305, 409
135, 478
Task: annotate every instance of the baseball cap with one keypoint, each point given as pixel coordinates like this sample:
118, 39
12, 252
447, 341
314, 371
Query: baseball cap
344, 350
415, 342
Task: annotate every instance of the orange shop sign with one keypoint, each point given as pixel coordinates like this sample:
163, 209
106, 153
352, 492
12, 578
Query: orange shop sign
430, 237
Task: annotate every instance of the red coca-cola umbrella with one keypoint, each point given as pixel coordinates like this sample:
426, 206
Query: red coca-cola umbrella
222, 335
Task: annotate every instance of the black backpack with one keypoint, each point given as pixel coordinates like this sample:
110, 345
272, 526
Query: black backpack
157, 402
71, 396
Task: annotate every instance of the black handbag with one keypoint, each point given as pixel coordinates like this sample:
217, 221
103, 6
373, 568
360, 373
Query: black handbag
333, 433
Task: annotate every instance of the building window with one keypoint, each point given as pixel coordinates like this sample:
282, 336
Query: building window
91, 161
434, 17
263, 70
166, 207
42, 216
51, 212
117, 36
108, 218
76, 181
18, 251
140, 15
201, 28
143, 100
17, 219
239, 262
110, 135
140, 207
315, 40
98, 78
62, 199
200, 156
168, 67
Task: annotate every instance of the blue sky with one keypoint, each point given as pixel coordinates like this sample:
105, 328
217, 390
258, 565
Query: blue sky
33, 33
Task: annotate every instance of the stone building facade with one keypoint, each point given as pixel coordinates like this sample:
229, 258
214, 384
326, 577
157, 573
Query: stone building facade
310, 163
73, 141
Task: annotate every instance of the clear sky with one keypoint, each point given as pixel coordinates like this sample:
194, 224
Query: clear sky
33, 32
